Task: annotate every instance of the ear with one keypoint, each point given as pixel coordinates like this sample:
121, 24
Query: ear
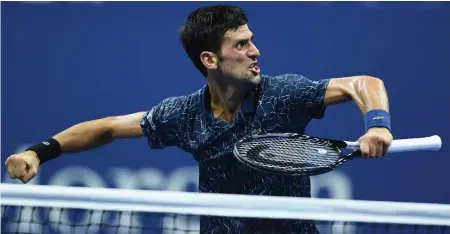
209, 59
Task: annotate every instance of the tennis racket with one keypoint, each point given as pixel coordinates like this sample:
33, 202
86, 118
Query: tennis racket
296, 154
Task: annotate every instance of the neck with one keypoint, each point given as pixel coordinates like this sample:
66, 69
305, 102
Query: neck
227, 97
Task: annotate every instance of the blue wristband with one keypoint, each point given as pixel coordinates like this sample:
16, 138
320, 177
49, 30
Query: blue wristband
377, 118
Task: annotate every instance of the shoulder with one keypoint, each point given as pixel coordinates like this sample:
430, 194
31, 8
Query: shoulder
290, 82
178, 106
290, 79
295, 89
165, 123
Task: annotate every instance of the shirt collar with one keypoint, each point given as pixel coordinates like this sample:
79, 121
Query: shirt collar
249, 105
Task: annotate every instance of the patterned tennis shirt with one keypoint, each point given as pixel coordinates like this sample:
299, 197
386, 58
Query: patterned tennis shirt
278, 104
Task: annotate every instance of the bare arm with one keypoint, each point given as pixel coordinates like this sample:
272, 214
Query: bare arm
367, 92
80, 137
91, 134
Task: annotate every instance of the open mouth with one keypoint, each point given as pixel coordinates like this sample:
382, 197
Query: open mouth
254, 68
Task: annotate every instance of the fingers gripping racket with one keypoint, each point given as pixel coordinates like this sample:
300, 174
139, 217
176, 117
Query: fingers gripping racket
295, 154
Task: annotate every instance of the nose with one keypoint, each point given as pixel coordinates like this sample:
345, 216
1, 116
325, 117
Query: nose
253, 51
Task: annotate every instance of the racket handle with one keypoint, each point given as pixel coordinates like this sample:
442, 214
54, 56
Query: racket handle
406, 145
416, 144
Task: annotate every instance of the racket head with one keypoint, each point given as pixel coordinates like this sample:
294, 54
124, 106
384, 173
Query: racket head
290, 154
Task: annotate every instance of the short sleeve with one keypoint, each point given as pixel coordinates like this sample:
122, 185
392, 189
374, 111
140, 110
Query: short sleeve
305, 93
163, 124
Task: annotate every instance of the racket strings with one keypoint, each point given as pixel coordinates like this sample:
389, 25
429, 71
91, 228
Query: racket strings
289, 154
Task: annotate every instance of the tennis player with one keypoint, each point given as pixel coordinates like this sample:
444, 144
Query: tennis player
237, 101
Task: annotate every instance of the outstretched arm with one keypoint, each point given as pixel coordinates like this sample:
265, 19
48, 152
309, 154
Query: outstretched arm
370, 95
95, 133
80, 137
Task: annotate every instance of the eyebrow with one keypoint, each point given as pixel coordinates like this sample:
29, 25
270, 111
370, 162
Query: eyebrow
242, 40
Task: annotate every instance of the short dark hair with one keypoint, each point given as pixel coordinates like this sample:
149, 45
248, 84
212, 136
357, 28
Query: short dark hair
205, 28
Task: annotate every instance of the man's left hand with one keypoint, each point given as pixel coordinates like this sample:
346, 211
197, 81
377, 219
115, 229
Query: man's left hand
375, 143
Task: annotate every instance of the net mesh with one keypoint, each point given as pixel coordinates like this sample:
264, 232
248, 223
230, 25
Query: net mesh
33, 220
47, 209
21, 219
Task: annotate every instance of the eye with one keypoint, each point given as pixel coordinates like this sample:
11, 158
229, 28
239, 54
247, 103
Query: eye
241, 44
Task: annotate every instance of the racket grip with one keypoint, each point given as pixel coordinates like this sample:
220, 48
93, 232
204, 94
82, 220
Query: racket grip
416, 144
406, 145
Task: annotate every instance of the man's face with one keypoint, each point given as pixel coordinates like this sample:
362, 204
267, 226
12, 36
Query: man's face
238, 56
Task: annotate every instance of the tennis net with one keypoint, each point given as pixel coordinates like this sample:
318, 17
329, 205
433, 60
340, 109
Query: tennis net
54, 209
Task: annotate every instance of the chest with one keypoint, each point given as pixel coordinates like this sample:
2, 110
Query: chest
210, 138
